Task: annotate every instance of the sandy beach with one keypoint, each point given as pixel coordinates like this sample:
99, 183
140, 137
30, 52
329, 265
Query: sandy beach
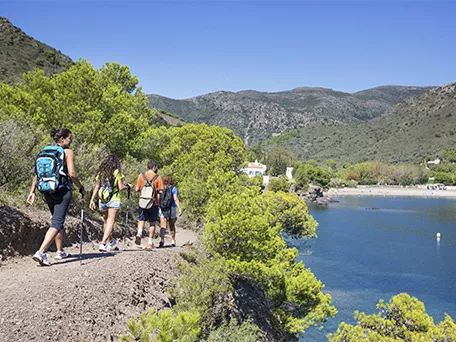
409, 191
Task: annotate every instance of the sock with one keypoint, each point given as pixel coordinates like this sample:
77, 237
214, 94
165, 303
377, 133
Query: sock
151, 241
139, 232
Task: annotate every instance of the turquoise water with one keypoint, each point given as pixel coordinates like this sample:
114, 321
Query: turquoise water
370, 248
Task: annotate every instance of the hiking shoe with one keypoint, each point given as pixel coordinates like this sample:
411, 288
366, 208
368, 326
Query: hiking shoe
102, 247
41, 258
149, 247
137, 239
61, 255
112, 246
161, 244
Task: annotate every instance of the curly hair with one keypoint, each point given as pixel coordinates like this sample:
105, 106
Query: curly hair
108, 166
168, 180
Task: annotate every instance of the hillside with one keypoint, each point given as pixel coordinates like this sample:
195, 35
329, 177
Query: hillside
20, 52
412, 130
256, 116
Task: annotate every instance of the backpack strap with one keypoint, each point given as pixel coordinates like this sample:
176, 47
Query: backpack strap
145, 179
153, 179
151, 182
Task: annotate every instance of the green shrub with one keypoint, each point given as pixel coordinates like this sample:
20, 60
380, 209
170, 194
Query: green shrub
19, 144
310, 172
404, 318
278, 184
164, 326
291, 213
233, 331
99, 106
202, 287
245, 229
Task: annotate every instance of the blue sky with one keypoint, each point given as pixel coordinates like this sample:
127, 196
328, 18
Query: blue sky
183, 48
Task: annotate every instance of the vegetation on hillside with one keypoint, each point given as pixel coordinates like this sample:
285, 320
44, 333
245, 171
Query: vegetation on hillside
412, 131
20, 53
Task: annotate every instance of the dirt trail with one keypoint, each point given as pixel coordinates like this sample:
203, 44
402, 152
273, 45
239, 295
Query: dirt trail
89, 302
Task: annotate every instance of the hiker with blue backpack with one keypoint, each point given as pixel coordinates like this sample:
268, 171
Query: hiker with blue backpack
169, 209
108, 184
55, 175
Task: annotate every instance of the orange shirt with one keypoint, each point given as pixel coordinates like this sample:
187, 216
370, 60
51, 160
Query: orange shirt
158, 183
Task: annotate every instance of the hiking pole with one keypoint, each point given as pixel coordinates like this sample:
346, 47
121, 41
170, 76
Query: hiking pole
81, 229
128, 208
128, 203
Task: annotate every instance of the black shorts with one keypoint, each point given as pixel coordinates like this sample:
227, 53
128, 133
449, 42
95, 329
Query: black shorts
58, 204
149, 215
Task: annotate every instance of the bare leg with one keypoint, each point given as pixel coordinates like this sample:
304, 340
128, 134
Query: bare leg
172, 228
151, 235
140, 228
59, 240
111, 218
152, 230
163, 221
48, 239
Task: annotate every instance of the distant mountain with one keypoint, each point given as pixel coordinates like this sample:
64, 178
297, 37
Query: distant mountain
256, 116
20, 53
415, 129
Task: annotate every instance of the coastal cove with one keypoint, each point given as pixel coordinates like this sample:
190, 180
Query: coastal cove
370, 248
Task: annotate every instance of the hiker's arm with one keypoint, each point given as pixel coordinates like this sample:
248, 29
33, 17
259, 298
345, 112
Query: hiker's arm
96, 187
69, 156
31, 196
122, 184
176, 200
138, 184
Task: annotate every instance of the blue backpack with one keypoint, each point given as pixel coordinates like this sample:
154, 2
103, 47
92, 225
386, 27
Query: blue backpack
50, 170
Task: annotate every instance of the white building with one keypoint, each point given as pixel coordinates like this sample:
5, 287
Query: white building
254, 169
289, 173
434, 162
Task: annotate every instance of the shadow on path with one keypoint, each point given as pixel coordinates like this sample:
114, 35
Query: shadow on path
84, 257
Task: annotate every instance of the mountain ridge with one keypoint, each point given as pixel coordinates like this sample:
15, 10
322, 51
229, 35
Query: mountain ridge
256, 116
413, 130
20, 53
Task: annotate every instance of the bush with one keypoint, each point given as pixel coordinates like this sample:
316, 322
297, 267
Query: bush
100, 106
404, 318
245, 228
165, 326
239, 227
310, 172
202, 287
291, 213
278, 184
19, 144
277, 161
444, 177
233, 331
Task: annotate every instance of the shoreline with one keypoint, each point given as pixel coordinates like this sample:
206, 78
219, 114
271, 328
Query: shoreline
393, 191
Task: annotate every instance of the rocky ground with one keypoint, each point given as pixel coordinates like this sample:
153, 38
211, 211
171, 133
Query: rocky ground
80, 299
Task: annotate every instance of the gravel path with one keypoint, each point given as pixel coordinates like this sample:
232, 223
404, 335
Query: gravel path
92, 301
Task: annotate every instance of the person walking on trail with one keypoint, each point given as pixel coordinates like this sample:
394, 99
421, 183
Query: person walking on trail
150, 186
108, 184
55, 175
169, 209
